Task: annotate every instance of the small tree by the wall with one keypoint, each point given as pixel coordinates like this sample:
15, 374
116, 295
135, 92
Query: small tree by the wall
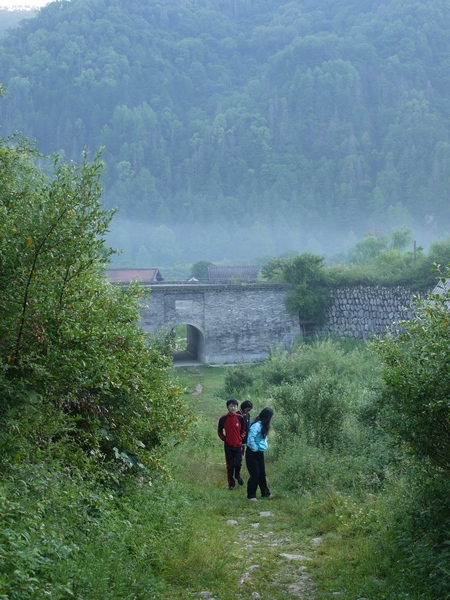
309, 296
199, 270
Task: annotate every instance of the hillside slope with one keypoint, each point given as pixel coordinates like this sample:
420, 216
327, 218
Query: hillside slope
281, 121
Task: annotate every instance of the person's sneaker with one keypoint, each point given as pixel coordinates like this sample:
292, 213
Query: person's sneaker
270, 496
240, 481
231, 487
254, 499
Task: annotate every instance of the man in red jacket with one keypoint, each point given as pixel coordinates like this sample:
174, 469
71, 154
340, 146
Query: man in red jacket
231, 430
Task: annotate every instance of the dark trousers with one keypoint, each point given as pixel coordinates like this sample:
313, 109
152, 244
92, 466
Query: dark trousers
257, 471
233, 457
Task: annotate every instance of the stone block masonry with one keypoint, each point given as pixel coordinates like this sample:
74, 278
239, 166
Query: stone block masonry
362, 311
226, 323
241, 323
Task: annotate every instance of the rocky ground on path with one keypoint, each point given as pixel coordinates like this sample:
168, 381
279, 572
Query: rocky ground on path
275, 564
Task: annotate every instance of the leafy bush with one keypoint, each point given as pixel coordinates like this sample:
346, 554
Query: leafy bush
237, 380
390, 268
313, 409
357, 365
417, 383
439, 253
67, 336
385, 261
30, 550
416, 413
64, 537
305, 272
305, 469
327, 417
199, 270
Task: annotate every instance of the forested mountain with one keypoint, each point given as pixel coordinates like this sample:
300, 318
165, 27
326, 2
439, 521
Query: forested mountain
238, 128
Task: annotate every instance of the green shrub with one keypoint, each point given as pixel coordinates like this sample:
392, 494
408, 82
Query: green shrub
386, 261
301, 468
328, 417
304, 468
357, 365
199, 270
305, 272
30, 549
65, 537
68, 337
237, 380
420, 525
417, 384
416, 412
313, 409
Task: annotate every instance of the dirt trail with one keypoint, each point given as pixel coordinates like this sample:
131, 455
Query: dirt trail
198, 390
264, 541
276, 555
276, 562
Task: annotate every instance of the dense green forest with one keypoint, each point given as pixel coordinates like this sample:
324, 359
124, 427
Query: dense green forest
240, 129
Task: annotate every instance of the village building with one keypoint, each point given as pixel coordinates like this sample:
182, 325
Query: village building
145, 276
233, 274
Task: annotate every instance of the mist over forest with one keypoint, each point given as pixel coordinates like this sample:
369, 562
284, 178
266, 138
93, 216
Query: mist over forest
10, 17
179, 246
236, 131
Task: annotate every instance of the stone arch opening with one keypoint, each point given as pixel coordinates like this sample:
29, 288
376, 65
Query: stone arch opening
189, 344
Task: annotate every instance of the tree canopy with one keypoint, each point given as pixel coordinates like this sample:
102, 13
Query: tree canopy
265, 125
71, 351
309, 295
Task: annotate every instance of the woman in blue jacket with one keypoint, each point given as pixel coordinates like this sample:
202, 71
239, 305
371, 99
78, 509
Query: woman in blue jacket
254, 457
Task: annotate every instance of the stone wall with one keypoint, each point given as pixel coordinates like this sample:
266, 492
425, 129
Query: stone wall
361, 311
241, 323
226, 323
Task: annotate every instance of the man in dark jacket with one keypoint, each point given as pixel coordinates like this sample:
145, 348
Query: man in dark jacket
245, 409
231, 430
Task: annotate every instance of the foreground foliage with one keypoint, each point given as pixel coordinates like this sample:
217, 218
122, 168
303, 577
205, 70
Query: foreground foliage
65, 537
68, 337
417, 377
88, 402
415, 405
372, 261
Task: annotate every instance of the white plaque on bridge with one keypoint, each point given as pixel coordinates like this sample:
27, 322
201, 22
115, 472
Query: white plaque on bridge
183, 304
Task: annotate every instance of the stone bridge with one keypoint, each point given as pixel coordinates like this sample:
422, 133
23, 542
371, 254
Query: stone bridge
224, 323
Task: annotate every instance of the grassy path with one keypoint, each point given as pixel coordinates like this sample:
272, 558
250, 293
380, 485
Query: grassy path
238, 549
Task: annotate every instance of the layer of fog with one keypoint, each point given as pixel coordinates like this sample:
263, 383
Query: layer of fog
175, 248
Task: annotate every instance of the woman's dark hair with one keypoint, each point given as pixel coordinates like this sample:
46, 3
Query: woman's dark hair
265, 417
